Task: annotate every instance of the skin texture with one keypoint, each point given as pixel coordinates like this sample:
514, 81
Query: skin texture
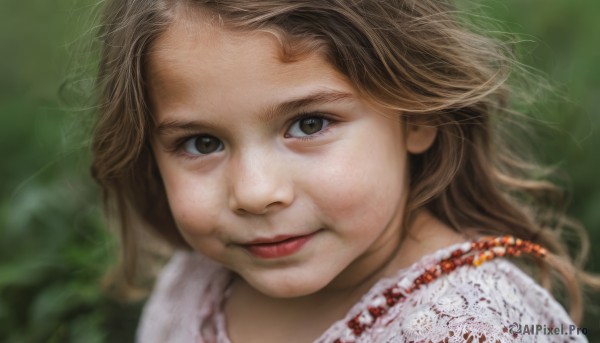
346, 184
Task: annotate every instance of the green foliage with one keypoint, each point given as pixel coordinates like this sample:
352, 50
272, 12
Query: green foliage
54, 249
53, 246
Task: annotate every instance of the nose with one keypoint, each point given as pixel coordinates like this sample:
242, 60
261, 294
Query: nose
259, 183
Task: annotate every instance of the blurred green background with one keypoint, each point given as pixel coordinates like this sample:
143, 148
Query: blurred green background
53, 248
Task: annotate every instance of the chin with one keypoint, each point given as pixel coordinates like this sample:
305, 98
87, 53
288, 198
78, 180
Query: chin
287, 287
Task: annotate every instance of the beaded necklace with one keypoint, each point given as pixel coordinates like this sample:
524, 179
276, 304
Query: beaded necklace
470, 254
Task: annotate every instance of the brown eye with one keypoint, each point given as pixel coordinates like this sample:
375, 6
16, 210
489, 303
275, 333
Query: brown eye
203, 145
311, 125
307, 126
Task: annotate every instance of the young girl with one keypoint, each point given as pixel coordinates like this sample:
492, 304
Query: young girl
328, 172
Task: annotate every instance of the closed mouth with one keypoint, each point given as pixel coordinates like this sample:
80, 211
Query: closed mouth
279, 246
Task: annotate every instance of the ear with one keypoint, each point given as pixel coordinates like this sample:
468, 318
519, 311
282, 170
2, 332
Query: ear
419, 137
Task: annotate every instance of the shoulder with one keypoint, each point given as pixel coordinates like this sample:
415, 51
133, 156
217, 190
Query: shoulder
485, 303
186, 287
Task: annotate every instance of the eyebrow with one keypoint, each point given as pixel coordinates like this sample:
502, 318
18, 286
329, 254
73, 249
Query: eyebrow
269, 113
294, 105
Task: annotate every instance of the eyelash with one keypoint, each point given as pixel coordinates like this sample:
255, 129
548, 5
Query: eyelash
305, 115
178, 144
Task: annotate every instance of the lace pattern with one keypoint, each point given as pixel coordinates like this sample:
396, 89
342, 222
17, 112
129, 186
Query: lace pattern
471, 304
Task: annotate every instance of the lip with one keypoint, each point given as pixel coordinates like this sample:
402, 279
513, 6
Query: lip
278, 246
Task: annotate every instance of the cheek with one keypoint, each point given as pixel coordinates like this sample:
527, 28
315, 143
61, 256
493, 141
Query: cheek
194, 203
362, 186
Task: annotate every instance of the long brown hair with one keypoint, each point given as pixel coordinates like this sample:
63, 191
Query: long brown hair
417, 57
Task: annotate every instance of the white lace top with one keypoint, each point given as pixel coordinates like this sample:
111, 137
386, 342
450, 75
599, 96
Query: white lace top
495, 302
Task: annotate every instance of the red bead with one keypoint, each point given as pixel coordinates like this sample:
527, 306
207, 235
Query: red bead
457, 262
376, 311
447, 266
428, 277
469, 259
456, 253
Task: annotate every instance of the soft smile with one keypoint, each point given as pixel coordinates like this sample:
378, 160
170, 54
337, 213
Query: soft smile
279, 246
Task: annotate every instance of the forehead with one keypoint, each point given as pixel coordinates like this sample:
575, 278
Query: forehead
201, 59
188, 39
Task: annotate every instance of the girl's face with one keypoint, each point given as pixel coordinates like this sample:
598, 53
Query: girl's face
279, 171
